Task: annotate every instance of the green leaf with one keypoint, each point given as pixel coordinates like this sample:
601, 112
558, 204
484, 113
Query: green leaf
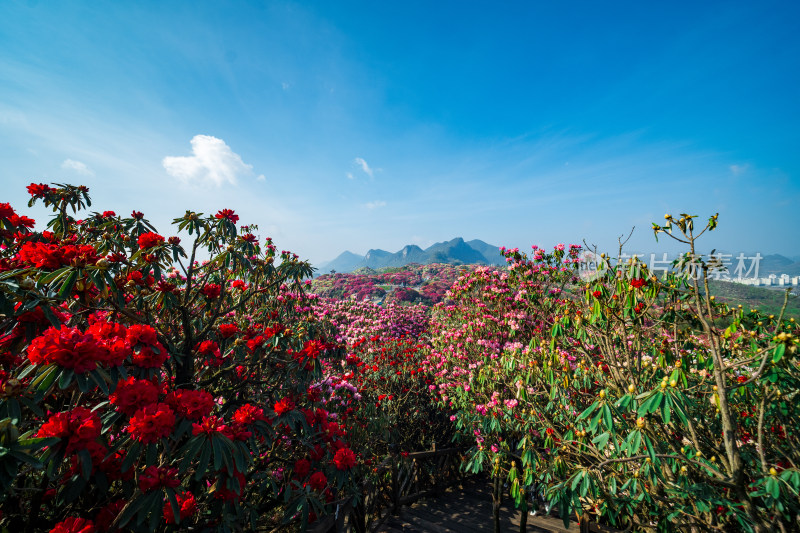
69, 283
173, 502
636, 442
65, 379
588, 411
608, 420
202, 463
778, 354
601, 441
86, 463
665, 409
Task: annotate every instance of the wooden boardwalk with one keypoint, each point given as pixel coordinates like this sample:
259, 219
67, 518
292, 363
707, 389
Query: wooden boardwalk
467, 508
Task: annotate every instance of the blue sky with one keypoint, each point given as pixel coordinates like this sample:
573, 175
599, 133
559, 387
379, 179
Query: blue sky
355, 125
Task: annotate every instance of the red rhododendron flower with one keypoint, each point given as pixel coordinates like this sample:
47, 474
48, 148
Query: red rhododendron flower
113, 338
6, 211
597, 294
141, 333
79, 426
212, 290
344, 459
38, 190
191, 404
208, 426
150, 239
156, 477
97, 452
227, 214
22, 221
152, 422
238, 284
187, 505
318, 481
132, 394
68, 348
151, 353
108, 514
74, 524
248, 414
210, 350
42, 255
150, 356
228, 330
301, 468
638, 283
138, 215
283, 406
165, 286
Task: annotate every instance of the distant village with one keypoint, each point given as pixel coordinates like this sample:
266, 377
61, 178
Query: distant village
773, 280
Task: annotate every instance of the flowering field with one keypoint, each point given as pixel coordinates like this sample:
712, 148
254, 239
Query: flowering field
144, 390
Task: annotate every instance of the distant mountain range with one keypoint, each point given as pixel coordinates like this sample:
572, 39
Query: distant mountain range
454, 252
778, 264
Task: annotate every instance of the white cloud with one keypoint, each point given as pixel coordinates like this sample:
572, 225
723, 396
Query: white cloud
350, 176
738, 170
77, 166
212, 161
261, 177
285, 86
364, 166
374, 205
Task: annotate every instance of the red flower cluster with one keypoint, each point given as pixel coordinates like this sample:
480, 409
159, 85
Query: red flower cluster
638, 283
187, 505
228, 330
133, 394
106, 516
39, 190
344, 459
148, 352
209, 426
284, 406
68, 348
151, 423
311, 350
318, 481
156, 477
150, 239
52, 256
191, 404
227, 214
80, 427
74, 524
210, 350
248, 414
113, 338
212, 290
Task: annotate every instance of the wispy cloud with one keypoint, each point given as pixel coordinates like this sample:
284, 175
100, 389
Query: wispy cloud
738, 170
365, 167
77, 166
350, 176
374, 205
212, 161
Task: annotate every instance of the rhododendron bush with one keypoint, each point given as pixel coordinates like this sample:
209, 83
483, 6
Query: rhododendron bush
394, 408
141, 388
633, 398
